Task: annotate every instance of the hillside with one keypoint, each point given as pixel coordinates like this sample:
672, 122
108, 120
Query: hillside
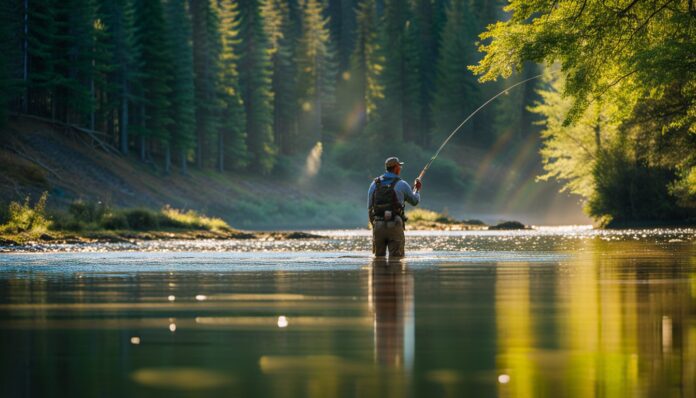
37, 157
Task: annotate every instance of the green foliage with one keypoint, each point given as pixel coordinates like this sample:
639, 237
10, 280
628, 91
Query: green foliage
367, 61
457, 92
399, 114
155, 77
119, 37
207, 70
630, 190
316, 74
114, 221
192, 219
87, 212
419, 215
182, 95
255, 84
569, 152
638, 47
142, 219
282, 31
232, 147
23, 217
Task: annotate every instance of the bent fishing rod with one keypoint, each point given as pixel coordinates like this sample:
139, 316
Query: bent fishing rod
427, 166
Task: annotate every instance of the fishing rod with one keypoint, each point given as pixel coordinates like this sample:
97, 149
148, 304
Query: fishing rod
427, 166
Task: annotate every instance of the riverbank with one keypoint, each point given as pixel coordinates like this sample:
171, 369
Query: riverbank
129, 236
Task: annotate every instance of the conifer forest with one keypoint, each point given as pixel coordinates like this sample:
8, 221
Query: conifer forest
246, 86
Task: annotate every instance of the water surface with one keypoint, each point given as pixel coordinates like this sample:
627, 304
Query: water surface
554, 312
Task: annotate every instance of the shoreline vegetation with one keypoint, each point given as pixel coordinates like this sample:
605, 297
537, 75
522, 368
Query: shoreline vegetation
95, 222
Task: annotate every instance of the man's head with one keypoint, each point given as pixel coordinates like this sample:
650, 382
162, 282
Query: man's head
393, 165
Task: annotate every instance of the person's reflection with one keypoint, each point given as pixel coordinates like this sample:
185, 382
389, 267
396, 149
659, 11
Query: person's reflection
391, 299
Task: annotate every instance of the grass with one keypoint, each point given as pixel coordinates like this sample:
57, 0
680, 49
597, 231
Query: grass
427, 219
21, 222
424, 215
193, 220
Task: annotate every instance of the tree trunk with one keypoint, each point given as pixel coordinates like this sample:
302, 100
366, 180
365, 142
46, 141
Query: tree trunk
123, 123
167, 159
25, 100
221, 152
143, 148
182, 159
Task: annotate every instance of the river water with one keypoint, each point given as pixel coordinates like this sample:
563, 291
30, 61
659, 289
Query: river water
553, 312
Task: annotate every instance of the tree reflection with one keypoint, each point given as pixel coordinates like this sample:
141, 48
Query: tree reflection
617, 325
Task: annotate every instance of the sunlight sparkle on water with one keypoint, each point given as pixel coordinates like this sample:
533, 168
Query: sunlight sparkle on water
201, 297
282, 321
135, 340
171, 297
503, 379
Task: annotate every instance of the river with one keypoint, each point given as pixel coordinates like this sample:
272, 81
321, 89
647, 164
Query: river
571, 312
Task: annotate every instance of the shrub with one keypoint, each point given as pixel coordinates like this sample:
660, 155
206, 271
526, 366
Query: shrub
629, 190
62, 221
88, 212
114, 220
142, 219
25, 218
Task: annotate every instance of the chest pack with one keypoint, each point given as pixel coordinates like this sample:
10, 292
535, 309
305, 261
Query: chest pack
384, 202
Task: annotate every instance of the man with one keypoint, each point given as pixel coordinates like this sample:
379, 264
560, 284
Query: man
386, 201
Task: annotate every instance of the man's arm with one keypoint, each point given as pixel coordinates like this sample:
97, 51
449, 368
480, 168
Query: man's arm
409, 196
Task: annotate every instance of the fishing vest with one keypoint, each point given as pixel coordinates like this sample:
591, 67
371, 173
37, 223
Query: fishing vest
384, 199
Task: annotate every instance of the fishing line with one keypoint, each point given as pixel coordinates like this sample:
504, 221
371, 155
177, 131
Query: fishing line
422, 173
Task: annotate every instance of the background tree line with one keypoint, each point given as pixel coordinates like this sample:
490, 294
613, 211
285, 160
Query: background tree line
244, 84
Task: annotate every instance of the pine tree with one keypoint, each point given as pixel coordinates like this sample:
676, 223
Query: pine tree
457, 91
317, 73
342, 24
206, 58
399, 112
366, 62
41, 76
154, 82
74, 60
429, 23
182, 96
11, 13
232, 138
118, 18
282, 34
255, 84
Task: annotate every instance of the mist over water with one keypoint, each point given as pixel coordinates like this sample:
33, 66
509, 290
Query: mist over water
556, 311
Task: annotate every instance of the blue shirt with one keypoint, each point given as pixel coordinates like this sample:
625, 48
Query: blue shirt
402, 189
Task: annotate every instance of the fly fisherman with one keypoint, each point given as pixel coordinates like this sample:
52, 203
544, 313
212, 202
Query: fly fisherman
386, 201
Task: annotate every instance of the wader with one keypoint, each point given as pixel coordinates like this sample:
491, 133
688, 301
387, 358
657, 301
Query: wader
388, 234
388, 219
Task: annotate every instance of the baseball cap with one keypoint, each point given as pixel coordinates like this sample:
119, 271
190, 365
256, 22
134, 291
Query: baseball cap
392, 161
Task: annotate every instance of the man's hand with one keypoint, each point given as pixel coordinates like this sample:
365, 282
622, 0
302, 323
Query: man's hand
417, 185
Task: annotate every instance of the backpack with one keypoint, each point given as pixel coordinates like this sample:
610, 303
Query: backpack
384, 199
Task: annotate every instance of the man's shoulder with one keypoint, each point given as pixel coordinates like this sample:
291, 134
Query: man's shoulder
403, 184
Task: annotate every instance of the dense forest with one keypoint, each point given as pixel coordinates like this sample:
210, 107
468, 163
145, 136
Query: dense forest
259, 85
238, 85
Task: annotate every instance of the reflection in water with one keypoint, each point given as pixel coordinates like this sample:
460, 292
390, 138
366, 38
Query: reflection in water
617, 325
525, 316
391, 302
